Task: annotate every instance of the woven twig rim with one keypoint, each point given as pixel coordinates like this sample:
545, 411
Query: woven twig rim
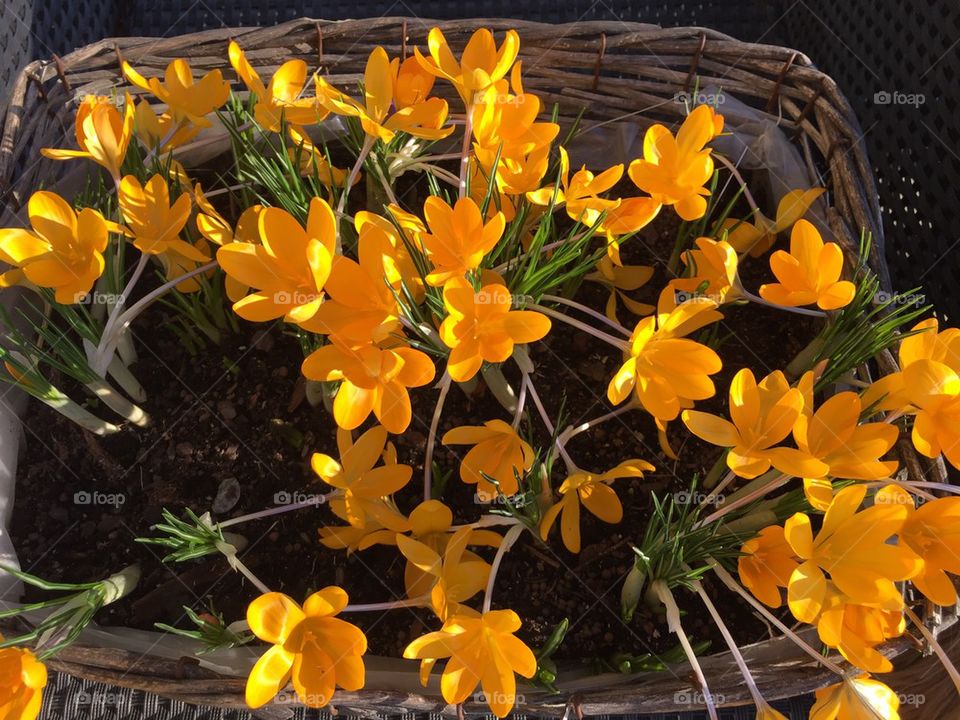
610, 70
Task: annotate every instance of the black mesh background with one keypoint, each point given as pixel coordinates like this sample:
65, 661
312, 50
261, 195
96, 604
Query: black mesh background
16, 48
881, 54
746, 19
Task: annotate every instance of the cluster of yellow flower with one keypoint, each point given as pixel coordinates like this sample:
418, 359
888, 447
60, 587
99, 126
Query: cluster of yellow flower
373, 309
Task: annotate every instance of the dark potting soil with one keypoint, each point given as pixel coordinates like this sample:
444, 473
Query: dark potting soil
238, 411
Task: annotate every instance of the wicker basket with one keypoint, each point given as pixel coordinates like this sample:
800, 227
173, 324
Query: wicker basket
613, 70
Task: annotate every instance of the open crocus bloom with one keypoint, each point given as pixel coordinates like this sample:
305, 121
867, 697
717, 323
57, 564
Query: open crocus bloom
381, 80
185, 99
481, 65
64, 251
498, 452
808, 274
289, 267
311, 647
481, 326
674, 169
282, 98
851, 546
482, 650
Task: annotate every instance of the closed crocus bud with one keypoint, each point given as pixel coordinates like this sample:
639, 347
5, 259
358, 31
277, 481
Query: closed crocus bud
631, 593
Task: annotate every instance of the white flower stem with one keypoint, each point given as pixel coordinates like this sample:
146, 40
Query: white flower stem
732, 645
118, 403
109, 339
351, 179
736, 173
508, 540
935, 646
673, 623
762, 489
563, 317
521, 401
588, 311
760, 301
728, 580
573, 430
74, 412
101, 360
568, 461
389, 605
280, 509
432, 437
465, 152
230, 552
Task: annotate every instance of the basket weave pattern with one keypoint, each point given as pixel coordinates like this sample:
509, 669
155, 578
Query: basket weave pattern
614, 71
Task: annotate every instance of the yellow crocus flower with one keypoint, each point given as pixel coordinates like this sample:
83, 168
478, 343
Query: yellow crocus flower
451, 578
483, 650
459, 238
186, 100
310, 646
498, 452
856, 698
666, 370
593, 491
481, 65
153, 221
481, 327
852, 547
765, 565
63, 251
713, 271
282, 97
757, 235
361, 482
103, 134
674, 170
288, 268
762, 415
424, 119
373, 379
932, 531
22, 680
808, 274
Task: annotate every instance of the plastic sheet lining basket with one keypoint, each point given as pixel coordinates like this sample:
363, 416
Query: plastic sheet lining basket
618, 73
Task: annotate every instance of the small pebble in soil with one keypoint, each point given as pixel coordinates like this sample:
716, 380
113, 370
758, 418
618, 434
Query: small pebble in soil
226, 409
227, 495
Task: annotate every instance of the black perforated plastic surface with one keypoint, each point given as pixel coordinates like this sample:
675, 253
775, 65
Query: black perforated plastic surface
68, 698
898, 62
